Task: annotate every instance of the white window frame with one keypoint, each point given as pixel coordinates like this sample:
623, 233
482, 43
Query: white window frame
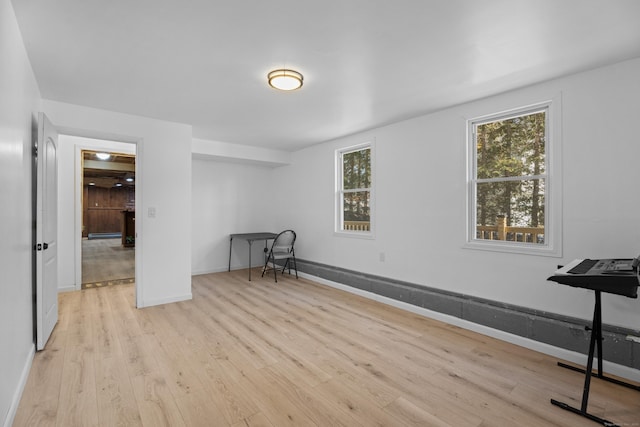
552, 176
339, 211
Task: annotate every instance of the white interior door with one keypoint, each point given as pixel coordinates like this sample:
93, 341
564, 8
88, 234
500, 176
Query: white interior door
46, 231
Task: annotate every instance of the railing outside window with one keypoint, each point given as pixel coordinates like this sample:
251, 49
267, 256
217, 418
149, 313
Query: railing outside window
357, 225
501, 231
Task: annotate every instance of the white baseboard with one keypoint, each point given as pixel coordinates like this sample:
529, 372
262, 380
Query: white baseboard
68, 288
225, 268
566, 355
17, 395
209, 271
160, 301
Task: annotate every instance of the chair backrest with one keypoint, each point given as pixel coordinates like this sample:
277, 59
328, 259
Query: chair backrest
284, 241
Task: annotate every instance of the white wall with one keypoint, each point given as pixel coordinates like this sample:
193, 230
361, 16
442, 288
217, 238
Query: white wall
421, 195
246, 154
228, 198
163, 182
70, 204
19, 104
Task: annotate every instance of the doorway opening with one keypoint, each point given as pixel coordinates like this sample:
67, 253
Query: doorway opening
108, 218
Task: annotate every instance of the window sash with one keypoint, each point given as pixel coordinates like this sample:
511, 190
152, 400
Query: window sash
511, 178
546, 196
503, 117
342, 192
356, 190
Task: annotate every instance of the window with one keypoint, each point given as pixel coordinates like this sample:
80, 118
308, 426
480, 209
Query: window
509, 186
354, 195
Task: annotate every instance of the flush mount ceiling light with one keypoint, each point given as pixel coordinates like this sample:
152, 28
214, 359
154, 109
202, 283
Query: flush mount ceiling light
103, 156
284, 79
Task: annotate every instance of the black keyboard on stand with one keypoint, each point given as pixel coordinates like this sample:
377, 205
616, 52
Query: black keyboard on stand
616, 276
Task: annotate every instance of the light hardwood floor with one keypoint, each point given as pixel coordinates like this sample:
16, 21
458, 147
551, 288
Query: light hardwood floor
289, 354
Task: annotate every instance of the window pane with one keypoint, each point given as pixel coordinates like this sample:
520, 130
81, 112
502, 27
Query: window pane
511, 147
356, 169
512, 210
356, 211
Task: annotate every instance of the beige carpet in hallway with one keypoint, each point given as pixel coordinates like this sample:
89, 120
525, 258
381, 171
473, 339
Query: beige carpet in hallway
105, 262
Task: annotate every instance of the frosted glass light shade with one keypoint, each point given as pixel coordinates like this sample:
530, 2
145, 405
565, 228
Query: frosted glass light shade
284, 79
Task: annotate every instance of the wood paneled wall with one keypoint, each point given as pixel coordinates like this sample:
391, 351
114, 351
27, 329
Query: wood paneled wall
102, 208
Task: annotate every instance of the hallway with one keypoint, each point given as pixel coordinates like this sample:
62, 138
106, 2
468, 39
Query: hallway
105, 262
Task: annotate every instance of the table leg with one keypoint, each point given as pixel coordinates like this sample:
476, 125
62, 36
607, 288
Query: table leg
250, 242
266, 249
230, 243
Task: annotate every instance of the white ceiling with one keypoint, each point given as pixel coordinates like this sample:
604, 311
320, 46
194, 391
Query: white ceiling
365, 63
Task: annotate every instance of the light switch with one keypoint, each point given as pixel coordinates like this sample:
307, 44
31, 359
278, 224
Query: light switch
151, 212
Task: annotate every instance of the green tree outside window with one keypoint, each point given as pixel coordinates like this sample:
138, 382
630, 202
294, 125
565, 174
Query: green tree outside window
355, 191
510, 178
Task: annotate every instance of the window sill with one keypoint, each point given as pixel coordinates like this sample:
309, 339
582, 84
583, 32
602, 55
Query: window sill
354, 234
514, 248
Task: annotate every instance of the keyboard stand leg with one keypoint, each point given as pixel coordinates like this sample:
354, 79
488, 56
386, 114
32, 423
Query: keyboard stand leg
600, 376
596, 337
597, 330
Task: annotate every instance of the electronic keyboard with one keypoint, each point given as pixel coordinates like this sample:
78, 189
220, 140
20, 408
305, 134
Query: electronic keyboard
615, 276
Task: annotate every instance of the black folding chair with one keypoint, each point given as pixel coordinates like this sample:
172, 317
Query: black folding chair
282, 249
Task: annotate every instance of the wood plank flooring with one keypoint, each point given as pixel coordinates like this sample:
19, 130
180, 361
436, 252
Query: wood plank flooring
293, 353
